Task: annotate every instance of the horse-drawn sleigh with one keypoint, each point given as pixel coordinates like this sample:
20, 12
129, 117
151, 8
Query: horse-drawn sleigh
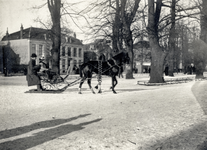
51, 81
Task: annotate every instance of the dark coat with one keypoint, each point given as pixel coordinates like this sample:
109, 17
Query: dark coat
32, 77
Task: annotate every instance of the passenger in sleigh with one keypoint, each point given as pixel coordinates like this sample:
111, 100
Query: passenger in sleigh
32, 77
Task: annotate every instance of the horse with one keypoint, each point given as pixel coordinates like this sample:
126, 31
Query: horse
111, 67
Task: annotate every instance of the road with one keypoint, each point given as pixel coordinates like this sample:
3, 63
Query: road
137, 118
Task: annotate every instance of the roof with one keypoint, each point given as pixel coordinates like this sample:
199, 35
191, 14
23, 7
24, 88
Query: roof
38, 34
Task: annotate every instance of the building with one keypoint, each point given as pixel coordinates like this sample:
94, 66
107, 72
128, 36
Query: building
38, 40
93, 50
142, 56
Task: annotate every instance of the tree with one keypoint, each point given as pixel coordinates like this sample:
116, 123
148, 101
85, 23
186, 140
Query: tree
114, 19
158, 54
199, 57
117, 28
54, 8
200, 46
203, 21
127, 15
172, 40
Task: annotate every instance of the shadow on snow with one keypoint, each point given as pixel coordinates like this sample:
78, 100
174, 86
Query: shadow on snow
42, 136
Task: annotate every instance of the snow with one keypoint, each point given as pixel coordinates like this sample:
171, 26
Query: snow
137, 117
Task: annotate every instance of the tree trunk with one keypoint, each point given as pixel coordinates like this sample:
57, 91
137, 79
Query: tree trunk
200, 68
203, 22
127, 19
156, 73
157, 53
129, 46
170, 62
54, 8
172, 41
117, 28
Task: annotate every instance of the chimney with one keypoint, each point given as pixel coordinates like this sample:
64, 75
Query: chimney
74, 35
21, 31
7, 34
30, 30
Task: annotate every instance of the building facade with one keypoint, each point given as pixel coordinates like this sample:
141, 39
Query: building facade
142, 57
92, 51
38, 40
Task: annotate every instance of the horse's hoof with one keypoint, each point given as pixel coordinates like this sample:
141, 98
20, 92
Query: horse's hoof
114, 92
79, 93
96, 87
94, 93
100, 91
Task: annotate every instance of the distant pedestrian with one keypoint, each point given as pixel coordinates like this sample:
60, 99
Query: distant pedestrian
32, 76
166, 70
149, 71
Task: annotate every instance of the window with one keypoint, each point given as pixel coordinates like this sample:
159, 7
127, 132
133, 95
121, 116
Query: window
69, 51
79, 62
75, 62
40, 50
63, 51
33, 49
80, 52
63, 64
75, 52
69, 61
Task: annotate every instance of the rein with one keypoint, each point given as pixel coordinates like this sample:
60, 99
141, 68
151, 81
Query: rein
110, 66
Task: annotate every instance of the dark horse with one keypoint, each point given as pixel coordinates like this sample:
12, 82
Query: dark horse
111, 67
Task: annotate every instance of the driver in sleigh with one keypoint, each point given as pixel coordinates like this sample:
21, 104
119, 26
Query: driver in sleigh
32, 77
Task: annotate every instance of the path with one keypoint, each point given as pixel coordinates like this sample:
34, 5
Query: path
137, 118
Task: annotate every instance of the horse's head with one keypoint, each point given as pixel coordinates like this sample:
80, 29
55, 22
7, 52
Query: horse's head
122, 58
125, 58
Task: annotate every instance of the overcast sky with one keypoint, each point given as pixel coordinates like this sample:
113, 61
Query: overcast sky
13, 13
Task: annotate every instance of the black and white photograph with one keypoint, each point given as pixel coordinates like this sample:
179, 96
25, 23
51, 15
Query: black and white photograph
103, 74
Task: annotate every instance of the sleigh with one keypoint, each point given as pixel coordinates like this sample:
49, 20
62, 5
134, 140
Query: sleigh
52, 82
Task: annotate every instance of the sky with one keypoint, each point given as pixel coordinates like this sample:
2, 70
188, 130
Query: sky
13, 13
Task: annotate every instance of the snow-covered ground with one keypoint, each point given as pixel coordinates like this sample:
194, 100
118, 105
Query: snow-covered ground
138, 117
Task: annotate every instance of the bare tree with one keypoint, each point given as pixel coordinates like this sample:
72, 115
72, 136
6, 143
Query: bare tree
54, 8
114, 20
203, 22
127, 15
117, 27
172, 40
199, 56
158, 53
200, 50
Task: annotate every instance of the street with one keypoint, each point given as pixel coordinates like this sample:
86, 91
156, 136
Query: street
138, 117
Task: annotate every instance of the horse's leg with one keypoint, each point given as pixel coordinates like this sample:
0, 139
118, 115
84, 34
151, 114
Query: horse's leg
89, 84
80, 85
115, 80
114, 83
96, 87
99, 87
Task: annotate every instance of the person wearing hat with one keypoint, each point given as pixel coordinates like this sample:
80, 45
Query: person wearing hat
32, 76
